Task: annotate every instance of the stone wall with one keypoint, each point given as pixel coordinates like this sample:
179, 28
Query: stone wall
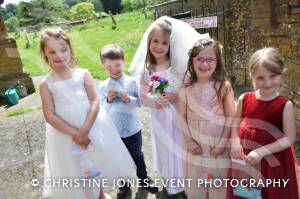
11, 68
279, 27
238, 14
256, 24
9, 56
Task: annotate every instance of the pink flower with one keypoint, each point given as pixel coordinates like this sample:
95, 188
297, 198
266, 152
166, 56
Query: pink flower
149, 88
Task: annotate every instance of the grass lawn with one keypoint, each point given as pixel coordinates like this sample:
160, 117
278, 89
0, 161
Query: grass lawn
87, 41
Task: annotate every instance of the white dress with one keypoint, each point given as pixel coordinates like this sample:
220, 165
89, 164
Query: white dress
106, 150
166, 137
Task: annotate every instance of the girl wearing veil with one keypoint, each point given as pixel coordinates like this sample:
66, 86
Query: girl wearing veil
163, 54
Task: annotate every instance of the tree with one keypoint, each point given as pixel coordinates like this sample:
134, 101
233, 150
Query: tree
40, 11
12, 23
98, 5
82, 11
8, 11
129, 5
24, 13
12, 8
112, 5
72, 3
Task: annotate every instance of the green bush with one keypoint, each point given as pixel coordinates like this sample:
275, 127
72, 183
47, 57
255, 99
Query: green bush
82, 11
12, 23
130, 5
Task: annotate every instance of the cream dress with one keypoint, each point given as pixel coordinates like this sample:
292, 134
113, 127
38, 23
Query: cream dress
205, 118
62, 160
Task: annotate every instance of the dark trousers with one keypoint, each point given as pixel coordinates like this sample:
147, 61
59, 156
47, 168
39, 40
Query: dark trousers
134, 146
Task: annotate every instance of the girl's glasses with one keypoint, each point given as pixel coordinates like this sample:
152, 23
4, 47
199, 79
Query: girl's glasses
208, 60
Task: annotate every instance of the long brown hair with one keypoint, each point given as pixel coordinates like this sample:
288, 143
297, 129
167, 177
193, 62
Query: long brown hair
165, 27
218, 76
56, 33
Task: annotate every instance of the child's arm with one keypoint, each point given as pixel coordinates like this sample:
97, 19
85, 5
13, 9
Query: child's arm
289, 137
172, 97
104, 103
91, 91
193, 146
236, 147
49, 112
229, 115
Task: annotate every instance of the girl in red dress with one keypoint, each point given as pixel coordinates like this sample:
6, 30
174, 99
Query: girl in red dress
264, 129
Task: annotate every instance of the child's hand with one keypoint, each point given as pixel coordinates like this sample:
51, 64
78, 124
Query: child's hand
193, 147
253, 157
81, 140
111, 94
125, 98
237, 151
217, 150
157, 105
162, 101
171, 97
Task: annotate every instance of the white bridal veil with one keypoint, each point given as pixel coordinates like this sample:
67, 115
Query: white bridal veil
182, 39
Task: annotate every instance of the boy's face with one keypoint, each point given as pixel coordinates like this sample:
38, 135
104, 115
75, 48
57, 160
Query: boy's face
114, 67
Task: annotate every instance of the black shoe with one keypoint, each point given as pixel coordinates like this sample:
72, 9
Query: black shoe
149, 185
141, 193
180, 195
163, 194
123, 192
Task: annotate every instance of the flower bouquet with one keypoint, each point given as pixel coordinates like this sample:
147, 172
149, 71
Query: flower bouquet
157, 86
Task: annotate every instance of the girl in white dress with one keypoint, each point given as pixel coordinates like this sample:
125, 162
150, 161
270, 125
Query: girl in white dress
80, 143
164, 52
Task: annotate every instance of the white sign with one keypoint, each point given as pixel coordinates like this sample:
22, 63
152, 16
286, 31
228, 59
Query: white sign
203, 22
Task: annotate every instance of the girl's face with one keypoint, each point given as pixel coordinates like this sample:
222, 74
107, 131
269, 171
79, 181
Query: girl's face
205, 63
57, 52
266, 81
159, 44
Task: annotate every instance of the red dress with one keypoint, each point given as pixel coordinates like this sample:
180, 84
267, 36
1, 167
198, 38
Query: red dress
262, 125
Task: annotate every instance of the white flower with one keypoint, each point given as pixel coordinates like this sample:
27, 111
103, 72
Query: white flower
154, 96
156, 84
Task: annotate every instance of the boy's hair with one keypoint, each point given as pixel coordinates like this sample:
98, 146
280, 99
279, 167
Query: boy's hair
269, 58
111, 51
56, 33
219, 75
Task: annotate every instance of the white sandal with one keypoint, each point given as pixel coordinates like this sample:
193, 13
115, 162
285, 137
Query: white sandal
107, 196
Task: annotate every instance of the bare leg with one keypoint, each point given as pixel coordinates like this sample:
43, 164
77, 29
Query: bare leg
101, 196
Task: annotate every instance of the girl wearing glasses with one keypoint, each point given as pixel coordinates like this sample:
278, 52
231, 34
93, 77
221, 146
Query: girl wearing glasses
206, 104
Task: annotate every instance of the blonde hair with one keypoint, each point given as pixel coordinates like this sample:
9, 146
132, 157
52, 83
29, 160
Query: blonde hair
268, 58
56, 33
166, 28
